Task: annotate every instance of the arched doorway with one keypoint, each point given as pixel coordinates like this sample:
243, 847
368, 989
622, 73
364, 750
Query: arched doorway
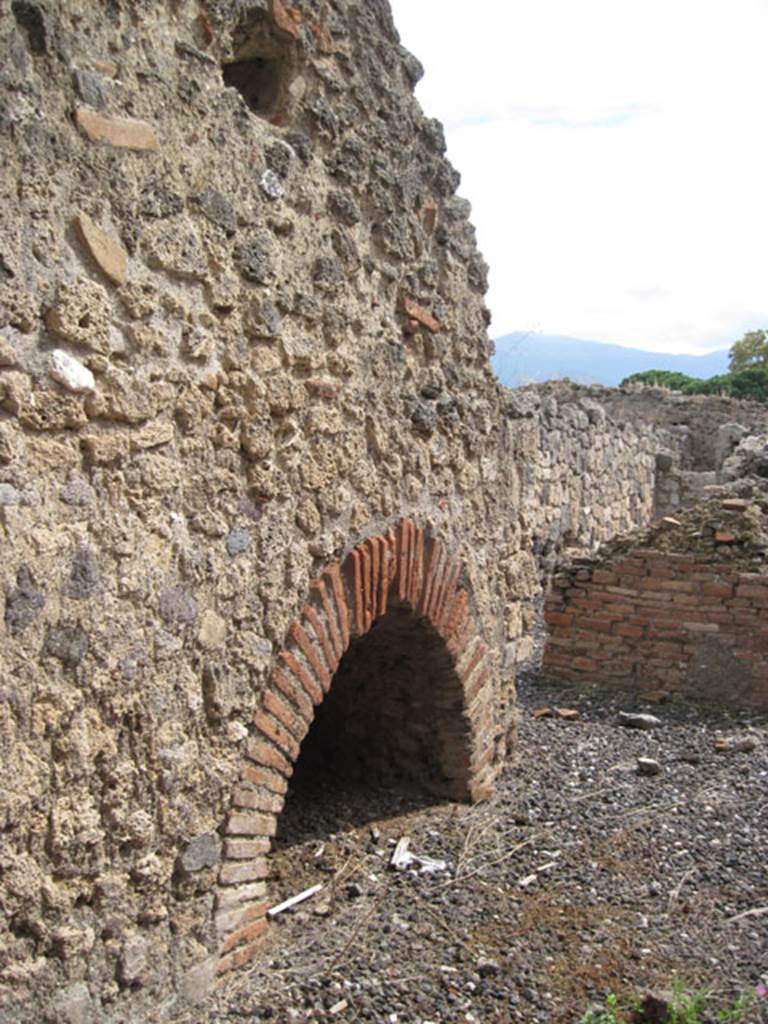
387, 659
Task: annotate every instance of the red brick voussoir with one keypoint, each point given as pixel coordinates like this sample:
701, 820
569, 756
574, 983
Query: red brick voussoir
401, 567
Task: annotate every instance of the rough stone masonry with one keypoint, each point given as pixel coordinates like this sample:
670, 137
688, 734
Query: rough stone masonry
247, 425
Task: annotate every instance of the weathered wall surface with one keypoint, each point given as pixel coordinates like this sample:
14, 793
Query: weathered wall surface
702, 429
681, 609
243, 350
693, 437
276, 312
577, 479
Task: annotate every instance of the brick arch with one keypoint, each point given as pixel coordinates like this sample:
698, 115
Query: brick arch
404, 569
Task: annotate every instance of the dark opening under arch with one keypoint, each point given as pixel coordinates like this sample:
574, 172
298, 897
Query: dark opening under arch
386, 669
394, 710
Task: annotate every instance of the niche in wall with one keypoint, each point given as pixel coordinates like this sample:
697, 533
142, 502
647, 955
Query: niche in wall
264, 65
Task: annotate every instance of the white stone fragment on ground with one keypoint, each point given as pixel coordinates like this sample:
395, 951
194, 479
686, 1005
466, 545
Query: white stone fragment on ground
402, 859
648, 766
638, 720
430, 865
298, 898
400, 856
547, 866
70, 372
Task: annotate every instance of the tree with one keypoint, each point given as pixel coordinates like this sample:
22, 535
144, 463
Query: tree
672, 379
752, 350
751, 382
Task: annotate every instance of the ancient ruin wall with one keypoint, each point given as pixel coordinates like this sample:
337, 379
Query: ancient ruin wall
680, 612
577, 479
700, 429
694, 437
246, 416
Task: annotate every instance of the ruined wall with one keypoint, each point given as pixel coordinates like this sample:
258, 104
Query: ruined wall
577, 479
693, 436
679, 609
245, 410
243, 330
701, 429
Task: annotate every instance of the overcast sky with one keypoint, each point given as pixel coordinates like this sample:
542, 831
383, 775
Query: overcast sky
615, 155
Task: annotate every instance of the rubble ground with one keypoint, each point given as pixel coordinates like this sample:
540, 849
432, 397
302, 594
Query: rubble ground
582, 875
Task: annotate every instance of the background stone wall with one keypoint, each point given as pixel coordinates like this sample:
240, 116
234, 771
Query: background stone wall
694, 437
577, 479
701, 429
242, 330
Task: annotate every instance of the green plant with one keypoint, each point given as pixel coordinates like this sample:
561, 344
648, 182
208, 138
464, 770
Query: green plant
751, 382
738, 1009
610, 1015
673, 379
683, 1008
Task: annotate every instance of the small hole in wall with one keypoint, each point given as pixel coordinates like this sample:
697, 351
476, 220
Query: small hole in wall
30, 18
263, 66
257, 81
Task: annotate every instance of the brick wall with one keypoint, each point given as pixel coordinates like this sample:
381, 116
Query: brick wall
650, 620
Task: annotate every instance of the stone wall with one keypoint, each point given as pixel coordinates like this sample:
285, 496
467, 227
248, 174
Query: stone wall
681, 610
577, 479
243, 331
694, 436
247, 425
701, 429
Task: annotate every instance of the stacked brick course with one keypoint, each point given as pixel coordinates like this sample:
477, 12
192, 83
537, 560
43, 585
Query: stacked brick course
656, 621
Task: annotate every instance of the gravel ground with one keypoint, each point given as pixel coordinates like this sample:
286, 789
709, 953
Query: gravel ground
581, 876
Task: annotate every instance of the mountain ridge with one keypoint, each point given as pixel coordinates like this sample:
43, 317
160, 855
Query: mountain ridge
523, 358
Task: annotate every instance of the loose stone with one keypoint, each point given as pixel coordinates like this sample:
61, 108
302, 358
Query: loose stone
638, 720
106, 252
70, 372
120, 132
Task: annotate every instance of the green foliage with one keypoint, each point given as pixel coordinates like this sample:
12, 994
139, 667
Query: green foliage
737, 1012
751, 382
672, 379
612, 1014
748, 376
683, 1008
752, 350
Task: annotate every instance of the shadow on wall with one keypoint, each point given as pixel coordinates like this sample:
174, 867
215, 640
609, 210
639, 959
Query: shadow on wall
265, 62
382, 736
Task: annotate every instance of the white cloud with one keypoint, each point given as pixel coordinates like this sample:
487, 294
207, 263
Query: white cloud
612, 152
